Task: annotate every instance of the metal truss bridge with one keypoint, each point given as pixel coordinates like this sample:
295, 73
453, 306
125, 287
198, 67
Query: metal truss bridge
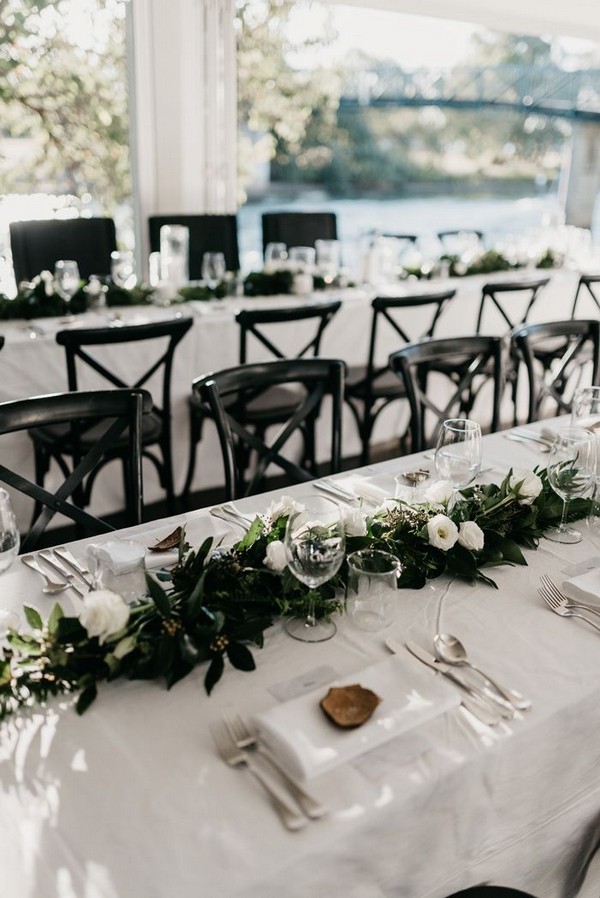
545, 90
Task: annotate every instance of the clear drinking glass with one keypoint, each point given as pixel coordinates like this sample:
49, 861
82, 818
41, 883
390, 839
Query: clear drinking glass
122, 269
585, 409
459, 452
571, 472
328, 255
213, 269
275, 254
302, 258
10, 539
175, 255
372, 593
315, 542
66, 282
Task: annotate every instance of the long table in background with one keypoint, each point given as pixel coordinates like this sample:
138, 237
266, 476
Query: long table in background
34, 365
132, 801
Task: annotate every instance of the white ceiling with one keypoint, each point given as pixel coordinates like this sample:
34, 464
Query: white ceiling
573, 18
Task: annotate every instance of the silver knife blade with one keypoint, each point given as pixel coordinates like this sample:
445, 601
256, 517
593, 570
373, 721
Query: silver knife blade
477, 703
55, 563
80, 569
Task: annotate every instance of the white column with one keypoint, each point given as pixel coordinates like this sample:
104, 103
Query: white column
182, 108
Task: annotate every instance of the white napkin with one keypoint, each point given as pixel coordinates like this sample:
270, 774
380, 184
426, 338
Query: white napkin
585, 587
306, 743
372, 489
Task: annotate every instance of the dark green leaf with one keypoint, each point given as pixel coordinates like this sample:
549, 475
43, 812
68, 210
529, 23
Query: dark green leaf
86, 698
214, 673
55, 615
240, 656
33, 616
158, 596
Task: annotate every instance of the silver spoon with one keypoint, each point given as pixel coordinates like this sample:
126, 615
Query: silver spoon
52, 586
451, 650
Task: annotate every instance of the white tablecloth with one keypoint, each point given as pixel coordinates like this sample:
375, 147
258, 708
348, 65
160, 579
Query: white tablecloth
131, 800
31, 367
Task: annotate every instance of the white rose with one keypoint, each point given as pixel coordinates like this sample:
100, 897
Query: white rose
526, 486
470, 535
283, 506
276, 558
353, 522
439, 493
104, 613
442, 532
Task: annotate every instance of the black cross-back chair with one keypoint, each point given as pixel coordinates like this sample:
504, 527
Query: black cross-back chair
559, 356
466, 362
208, 234
499, 293
298, 228
1, 342
370, 388
586, 281
445, 236
54, 443
277, 404
38, 245
114, 414
226, 394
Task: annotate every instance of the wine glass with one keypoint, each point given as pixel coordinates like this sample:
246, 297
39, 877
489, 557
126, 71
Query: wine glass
458, 453
9, 532
571, 471
122, 269
213, 269
585, 409
66, 282
315, 542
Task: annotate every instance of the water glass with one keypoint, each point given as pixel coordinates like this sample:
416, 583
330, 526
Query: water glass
571, 472
174, 255
302, 258
122, 269
371, 595
119, 565
66, 281
213, 269
459, 452
315, 543
276, 256
10, 539
328, 256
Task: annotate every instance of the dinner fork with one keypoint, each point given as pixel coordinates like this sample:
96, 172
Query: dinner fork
290, 816
562, 610
560, 600
244, 738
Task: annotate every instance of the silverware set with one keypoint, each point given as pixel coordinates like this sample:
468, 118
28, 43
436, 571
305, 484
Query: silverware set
62, 571
542, 442
563, 605
238, 747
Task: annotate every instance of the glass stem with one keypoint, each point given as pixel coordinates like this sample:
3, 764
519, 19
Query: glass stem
311, 620
563, 521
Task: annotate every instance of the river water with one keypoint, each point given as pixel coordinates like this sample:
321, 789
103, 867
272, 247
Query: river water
500, 219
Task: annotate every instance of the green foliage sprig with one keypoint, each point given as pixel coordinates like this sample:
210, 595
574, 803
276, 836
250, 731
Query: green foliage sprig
218, 601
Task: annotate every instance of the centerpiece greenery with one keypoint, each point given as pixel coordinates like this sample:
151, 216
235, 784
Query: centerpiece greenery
218, 600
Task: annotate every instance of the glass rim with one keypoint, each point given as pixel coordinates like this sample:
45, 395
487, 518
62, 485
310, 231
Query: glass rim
395, 563
461, 424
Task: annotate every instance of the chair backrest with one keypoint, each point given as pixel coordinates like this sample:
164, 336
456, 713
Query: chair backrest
494, 290
559, 357
78, 340
465, 362
586, 280
117, 411
208, 234
385, 308
227, 393
251, 321
298, 228
38, 245
451, 237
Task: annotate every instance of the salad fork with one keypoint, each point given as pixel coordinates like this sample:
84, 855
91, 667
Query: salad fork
560, 599
237, 757
244, 738
562, 609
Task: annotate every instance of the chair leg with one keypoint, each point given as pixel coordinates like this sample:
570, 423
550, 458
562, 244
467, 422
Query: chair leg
195, 437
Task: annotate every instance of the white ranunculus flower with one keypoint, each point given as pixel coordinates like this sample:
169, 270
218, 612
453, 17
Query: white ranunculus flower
442, 532
439, 493
353, 521
526, 486
470, 535
285, 505
104, 613
276, 558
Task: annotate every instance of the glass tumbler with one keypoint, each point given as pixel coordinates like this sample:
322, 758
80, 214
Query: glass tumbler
371, 595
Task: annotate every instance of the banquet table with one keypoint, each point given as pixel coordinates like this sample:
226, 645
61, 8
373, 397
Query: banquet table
132, 801
32, 364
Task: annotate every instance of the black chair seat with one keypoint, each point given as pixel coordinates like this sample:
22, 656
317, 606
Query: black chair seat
59, 433
272, 406
385, 386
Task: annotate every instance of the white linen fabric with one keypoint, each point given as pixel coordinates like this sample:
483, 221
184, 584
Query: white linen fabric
132, 801
585, 587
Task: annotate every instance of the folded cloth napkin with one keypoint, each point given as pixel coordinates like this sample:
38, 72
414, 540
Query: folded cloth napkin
372, 489
585, 587
306, 743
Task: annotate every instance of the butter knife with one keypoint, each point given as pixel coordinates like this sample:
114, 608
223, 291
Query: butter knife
63, 553
476, 704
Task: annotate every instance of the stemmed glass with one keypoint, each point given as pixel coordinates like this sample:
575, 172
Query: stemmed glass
571, 471
459, 452
315, 542
122, 269
66, 282
213, 269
